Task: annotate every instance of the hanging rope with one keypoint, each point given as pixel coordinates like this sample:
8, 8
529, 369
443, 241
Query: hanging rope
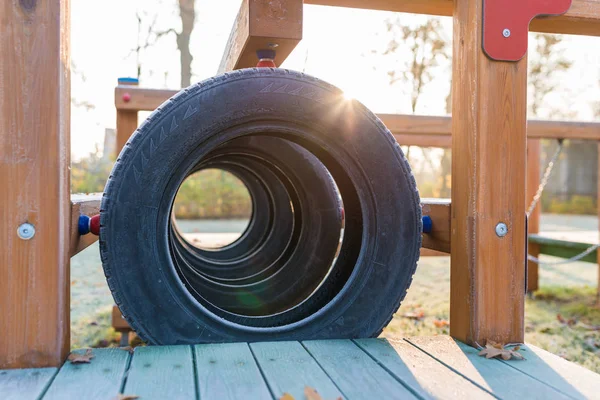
535, 201
545, 178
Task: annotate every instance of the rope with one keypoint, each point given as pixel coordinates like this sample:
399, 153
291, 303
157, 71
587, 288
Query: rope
545, 178
535, 201
578, 257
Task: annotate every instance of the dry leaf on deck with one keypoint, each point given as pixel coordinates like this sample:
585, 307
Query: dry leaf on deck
287, 396
311, 394
127, 348
84, 358
414, 315
568, 322
493, 350
441, 323
122, 396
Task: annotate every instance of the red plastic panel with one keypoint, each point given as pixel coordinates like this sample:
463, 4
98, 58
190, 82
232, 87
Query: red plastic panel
506, 24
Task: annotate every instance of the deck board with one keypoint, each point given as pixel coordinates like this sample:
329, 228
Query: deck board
229, 372
165, 372
566, 377
492, 375
416, 369
423, 367
101, 379
289, 368
354, 372
25, 384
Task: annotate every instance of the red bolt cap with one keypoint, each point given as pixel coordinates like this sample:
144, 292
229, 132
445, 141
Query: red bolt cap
126, 97
95, 225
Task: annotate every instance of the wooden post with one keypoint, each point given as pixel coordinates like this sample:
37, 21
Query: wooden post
598, 206
127, 120
488, 187
533, 182
34, 176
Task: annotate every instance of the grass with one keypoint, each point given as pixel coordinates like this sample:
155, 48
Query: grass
567, 290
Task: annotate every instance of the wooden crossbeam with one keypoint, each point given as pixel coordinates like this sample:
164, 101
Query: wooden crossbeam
582, 19
414, 130
439, 211
260, 25
82, 204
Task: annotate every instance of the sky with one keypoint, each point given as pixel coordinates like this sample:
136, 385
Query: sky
337, 47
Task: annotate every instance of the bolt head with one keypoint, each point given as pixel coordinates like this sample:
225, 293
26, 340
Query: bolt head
26, 231
501, 229
273, 45
126, 97
506, 32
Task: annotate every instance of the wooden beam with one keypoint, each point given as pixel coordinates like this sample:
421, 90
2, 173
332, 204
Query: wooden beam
260, 25
598, 208
439, 211
34, 176
82, 204
582, 19
534, 149
410, 130
127, 119
488, 187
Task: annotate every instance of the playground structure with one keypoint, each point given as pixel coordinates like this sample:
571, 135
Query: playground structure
489, 183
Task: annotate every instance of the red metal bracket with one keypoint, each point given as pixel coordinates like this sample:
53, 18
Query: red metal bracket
506, 24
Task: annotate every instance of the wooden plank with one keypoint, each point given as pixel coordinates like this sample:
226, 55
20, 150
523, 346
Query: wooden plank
119, 323
82, 204
562, 248
354, 372
439, 211
101, 379
34, 176
25, 384
598, 207
127, 119
288, 368
161, 372
228, 371
424, 375
430, 130
262, 25
432, 253
583, 18
534, 148
496, 377
487, 278
568, 378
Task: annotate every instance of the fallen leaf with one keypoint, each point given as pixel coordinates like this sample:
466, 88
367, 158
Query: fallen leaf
311, 394
127, 348
414, 315
84, 358
287, 396
122, 396
493, 350
568, 322
441, 323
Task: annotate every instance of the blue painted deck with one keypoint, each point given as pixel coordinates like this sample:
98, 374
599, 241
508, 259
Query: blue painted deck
416, 368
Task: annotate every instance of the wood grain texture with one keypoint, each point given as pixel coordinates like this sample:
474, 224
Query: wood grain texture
415, 370
228, 371
487, 278
34, 176
260, 24
566, 377
288, 368
496, 377
354, 372
82, 204
127, 119
25, 384
534, 148
161, 372
439, 211
583, 18
598, 203
101, 379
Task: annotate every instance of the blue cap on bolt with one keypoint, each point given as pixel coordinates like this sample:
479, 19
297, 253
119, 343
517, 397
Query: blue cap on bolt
427, 224
83, 225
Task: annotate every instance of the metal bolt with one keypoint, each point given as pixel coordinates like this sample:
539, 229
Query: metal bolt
272, 45
506, 32
26, 231
501, 229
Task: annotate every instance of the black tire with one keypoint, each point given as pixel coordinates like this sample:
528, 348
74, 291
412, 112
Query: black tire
382, 234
